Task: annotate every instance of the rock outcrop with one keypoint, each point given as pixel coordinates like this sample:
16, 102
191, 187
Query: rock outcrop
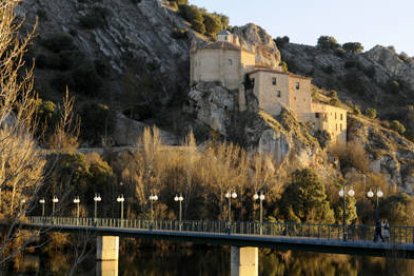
256, 39
390, 154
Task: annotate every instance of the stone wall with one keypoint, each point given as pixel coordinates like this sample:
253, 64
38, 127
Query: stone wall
216, 65
331, 119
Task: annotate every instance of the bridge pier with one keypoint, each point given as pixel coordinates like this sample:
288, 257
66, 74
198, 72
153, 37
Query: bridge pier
107, 248
244, 261
107, 268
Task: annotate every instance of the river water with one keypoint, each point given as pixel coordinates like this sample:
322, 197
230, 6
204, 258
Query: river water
214, 260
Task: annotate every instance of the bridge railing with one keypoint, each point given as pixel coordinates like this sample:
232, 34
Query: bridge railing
399, 234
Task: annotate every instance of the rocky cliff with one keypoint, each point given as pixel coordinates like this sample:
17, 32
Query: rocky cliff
133, 55
378, 78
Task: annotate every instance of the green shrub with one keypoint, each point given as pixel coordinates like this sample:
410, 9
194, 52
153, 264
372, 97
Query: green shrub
398, 127
282, 41
191, 13
98, 121
179, 33
285, 67
57, 42
198, 26
356, 110
354, 82
179, 2
394, 86
340, 52
327, 42
371, 113
212, 24
333, 94
353, 47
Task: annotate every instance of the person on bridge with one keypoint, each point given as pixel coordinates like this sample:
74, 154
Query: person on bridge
377, 231
385, 230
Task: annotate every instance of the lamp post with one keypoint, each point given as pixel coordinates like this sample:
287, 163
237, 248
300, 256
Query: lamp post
54, 201
230, 195
260, 197
179, 199
22, 202
343, 194
97, 198
378, 194
77, 201
152, 198
120, 199
42, 201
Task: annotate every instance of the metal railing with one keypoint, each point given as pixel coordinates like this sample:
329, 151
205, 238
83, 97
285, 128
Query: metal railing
398, 234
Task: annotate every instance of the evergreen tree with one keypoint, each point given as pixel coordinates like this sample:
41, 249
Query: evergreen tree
305, 200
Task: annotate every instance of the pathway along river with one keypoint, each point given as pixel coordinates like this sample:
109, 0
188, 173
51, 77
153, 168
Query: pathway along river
212, 260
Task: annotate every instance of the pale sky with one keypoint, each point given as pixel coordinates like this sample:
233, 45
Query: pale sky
371, 22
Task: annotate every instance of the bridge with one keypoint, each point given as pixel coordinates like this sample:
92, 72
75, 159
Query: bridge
244, 237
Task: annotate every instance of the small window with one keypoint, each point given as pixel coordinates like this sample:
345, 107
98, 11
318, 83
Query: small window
297, 85
230, 62
342, 117
274, 81
335, 117
336, 127
317, 115
340, 127
279, 94
226, 37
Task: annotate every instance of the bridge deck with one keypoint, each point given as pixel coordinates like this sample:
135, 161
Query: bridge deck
320, 238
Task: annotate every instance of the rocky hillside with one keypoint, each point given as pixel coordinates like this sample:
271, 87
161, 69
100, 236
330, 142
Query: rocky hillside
130, 55
128, 64
378, 78
105, 49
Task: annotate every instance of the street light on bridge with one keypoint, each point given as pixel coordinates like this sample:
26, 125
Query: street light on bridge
378, 194
97, 198
22, 202
230, 195
120, 199
54, 201
152, 198
77, 201
179, 199
260, 197
342, 193
42, 201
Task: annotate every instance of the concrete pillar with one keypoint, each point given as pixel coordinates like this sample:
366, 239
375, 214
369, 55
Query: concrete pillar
107, 268
107, 248
244, 261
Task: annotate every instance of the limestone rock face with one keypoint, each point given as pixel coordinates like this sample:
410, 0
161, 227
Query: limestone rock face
390, 154
363, 78
255, 38
283, 137
134, 35
386, 59
213, 105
